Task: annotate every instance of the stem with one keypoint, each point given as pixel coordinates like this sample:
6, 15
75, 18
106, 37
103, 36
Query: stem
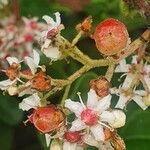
110, 71
16, 9
76, 39
65, 94
89, 63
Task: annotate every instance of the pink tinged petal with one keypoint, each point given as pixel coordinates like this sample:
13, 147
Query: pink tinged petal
139, 101
52, 53
147, 80
122, 101
98, 132
75, 107
92, 99
122, 67
4, 85
30, 102
48, 139
46, 44
12, 60
127, 82
103, 104
89, 139
107, 116
77, 125
31, 64
36, 58
69, 146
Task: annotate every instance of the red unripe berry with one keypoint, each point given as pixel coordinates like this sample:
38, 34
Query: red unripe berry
73, 137
48, 118
111, 36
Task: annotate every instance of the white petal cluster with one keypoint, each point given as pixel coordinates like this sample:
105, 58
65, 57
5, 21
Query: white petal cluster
48, 48
101, 108
137, 95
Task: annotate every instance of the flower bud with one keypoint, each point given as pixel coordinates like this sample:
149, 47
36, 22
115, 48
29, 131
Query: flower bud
48, 118
40, 82
146, 100
111, 36
101, 86
12, 90
119, 119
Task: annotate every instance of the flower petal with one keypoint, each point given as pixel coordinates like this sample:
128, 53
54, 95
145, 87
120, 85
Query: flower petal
89, 139
138, 100
122, 67
58, 19
49, 20
103, 104
127, 82
12, 60
31, 64
70, 146
36, 58
147, 80
77, 125
122, 101
48, 139
140, 92
75, 107
6, 83
105, 145
134, 59
107, 116
52, 53
98, 132
46, 44
92, 99
32, 101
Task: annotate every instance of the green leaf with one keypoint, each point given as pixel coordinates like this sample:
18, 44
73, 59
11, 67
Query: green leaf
6, 137
81, 85
136, 128
9, 110
41, 138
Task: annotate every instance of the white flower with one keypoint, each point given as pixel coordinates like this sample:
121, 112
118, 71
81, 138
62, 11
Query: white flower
93, 116
30, 102
54, 28
33, 63
125, 68
136, 96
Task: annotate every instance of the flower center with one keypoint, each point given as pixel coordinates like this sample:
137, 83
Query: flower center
72, 137
89, 117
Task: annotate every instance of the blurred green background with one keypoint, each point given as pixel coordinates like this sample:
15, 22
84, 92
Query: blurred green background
14, 135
